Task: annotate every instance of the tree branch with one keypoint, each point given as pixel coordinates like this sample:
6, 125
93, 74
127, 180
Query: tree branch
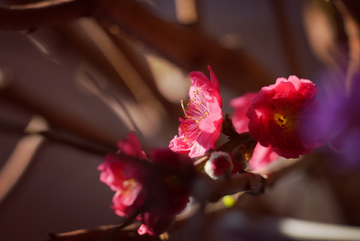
208, 189
30, 16
96, 234
188, 49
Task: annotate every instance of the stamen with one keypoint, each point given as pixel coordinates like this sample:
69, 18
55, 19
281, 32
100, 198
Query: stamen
182, 106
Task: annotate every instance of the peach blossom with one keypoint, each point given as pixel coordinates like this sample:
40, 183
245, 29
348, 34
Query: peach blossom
201, 126
279, 116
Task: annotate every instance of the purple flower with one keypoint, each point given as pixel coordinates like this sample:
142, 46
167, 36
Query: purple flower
340, 122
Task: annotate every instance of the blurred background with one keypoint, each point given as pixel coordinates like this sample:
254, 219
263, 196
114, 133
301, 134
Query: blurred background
69, 92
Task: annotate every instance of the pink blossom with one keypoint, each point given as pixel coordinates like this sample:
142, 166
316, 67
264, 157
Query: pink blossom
113, 169
241, 105
262, 155
162, 183
279, 116
125, 177
126, 200
131, 146
201, 127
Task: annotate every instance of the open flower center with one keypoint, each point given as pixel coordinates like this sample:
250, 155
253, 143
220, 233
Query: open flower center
129, 191
129, 184
198, 109
285, 120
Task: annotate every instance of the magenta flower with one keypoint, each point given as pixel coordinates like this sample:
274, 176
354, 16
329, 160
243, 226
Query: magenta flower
262, 155
125, 177
201, 127
280, 115
113, 169
161, 183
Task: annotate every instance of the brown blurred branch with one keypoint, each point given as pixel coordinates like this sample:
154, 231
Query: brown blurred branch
97, 149
30, 16
129, 234
325, 35
205, 188
212, 190
58, 119
188, 49
286, 37
350, 17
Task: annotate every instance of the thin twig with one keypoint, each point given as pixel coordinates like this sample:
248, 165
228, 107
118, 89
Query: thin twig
126, 223
66, 141
106, 233
96, 148
208, 189
127, 234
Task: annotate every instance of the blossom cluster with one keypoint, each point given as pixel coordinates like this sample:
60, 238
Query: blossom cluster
271, 123
278, 117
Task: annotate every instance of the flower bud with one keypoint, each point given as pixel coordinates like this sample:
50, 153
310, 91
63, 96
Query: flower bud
219, 164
